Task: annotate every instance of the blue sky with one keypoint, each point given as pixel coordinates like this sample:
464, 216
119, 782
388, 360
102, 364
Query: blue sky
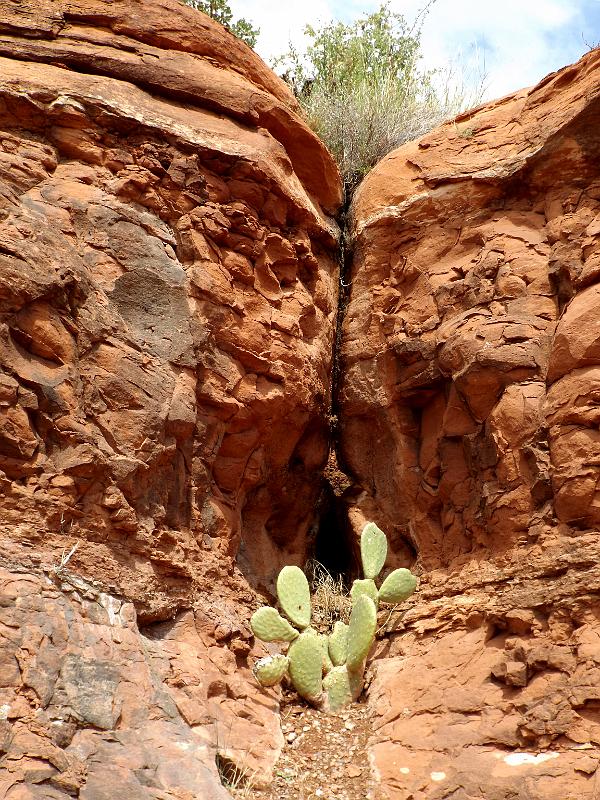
515, 42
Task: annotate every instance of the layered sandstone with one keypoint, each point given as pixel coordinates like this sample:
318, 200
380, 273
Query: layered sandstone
168, 293
469, 425
168, 300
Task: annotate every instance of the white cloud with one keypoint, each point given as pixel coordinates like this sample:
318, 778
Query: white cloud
519, 41
281, 22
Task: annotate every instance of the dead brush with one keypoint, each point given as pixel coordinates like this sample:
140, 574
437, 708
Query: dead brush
330, 597
238, 781
234, 775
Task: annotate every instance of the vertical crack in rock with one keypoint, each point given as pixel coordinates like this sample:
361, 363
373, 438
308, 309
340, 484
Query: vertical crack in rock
335, 545
172, 341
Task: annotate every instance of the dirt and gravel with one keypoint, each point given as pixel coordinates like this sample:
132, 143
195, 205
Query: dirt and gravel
325, 755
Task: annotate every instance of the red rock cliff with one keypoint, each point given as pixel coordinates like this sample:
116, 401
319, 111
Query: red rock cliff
168, 271
469, 408
168, 293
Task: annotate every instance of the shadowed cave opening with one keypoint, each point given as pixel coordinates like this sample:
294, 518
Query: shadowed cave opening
333, 544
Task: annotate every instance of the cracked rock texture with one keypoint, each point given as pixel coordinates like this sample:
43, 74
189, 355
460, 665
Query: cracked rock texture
168, 293
92, 707
469, 425
168, 298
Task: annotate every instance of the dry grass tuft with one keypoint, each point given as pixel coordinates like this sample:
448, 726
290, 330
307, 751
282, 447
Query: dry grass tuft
238, 781
330, 597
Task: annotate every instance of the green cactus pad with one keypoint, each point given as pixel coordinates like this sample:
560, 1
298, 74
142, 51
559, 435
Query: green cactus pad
327, 664
338, 643
398, 585
268, 624
294, 595
270, 670
337, 685
342, 686
373, 550
306, 666
366, 586
361, 631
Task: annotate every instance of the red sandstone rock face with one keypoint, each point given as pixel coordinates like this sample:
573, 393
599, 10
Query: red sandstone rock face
470, 340
168, 297
469, 424
168, 292
90, 707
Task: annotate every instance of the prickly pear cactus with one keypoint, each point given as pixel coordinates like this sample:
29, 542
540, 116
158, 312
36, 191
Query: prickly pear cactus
270, 670
293, 592
361, 632
338, 643
341, 656
306, 666
373, 550
366, 586
270, 626
398, 585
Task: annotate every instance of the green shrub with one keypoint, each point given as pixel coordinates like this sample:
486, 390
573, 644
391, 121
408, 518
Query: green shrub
221, 12
363, 90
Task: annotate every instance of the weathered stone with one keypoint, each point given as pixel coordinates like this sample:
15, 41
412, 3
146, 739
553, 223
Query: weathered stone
168, 301
122, 708
469, 423
168, 293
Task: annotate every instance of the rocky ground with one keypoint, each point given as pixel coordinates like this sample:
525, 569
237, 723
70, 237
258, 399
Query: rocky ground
325, 756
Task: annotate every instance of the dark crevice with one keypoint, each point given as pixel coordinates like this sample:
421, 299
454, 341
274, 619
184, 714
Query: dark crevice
345, 259
333, 544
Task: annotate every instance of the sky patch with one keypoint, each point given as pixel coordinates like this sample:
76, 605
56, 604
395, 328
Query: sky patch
507, 45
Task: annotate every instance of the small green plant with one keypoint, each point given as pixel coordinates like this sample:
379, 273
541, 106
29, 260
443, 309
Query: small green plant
365, 91
220, 11
328, 670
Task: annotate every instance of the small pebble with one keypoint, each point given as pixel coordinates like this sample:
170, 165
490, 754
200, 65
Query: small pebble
349, 726
291, 736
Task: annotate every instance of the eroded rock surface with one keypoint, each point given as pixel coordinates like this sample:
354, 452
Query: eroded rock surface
168, 296
470, 339
469, 424
92, 707
168, 273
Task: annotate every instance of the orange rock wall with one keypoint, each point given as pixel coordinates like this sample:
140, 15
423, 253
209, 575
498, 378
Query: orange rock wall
168, 300
168, 266
469, 425
470, 345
